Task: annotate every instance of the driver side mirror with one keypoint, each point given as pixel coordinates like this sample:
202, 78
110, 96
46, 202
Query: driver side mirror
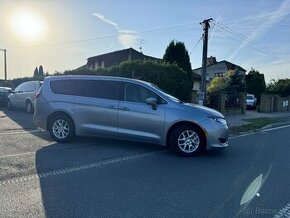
152, 102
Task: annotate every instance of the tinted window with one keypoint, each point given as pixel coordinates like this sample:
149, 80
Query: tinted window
87, 88
136, 93
65, 87
102, 89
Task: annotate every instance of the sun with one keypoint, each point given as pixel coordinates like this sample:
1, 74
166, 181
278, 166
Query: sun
28, 25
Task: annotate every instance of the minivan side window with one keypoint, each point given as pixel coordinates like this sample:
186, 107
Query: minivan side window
136, 93
64, 87
87, 88
102, 89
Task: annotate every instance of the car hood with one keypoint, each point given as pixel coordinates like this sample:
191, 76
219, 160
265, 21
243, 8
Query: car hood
206, 110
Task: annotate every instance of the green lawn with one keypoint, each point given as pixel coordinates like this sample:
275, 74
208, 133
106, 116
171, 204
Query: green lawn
257, 123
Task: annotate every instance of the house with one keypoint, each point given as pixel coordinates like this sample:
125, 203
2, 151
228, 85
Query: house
196, 81
218, 69
116, 57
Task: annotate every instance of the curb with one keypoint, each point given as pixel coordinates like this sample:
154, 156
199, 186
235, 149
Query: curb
261, 129
275, 125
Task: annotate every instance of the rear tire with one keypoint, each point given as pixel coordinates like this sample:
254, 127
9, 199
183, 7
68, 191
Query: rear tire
187, 140
61, 128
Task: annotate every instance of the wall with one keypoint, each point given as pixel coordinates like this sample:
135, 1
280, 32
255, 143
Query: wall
274, 103
221, 104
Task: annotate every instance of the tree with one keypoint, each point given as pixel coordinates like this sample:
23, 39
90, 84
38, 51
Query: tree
36, 73
176, 53
216, 85
234, 85
255, 83
280, 87
40, 71
168, 77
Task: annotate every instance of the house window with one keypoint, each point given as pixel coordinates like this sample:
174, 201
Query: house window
103, 64
219, 75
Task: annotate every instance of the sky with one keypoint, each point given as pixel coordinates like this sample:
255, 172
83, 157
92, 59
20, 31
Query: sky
61, 34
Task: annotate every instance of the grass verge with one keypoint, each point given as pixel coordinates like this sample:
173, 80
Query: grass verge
256, 123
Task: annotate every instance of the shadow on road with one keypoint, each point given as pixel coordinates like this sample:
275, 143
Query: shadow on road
95, 177
63, 171
17, 121
22, 120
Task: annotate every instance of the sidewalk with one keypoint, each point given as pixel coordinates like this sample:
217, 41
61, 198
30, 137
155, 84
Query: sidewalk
238, 120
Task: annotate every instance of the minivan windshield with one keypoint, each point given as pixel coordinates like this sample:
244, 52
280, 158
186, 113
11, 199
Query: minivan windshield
166, 94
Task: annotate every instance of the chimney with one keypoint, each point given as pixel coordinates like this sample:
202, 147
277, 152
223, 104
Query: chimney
211, 60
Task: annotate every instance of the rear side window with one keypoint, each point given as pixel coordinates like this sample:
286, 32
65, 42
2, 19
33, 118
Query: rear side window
64, 87
88, 88
102, 89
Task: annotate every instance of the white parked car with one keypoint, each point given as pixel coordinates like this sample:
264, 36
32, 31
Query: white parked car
251, 101
23, 96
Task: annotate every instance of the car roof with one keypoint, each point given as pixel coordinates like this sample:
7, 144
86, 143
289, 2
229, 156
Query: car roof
95, 77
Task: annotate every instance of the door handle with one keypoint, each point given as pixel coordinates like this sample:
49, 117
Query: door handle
112, 107
124, 108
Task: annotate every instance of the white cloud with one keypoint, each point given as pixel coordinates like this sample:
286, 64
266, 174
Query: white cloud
106, 20
127, 38
271, 18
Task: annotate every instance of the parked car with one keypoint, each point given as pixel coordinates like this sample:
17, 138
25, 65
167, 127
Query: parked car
251, 101
23, 96
125, 108
4, 92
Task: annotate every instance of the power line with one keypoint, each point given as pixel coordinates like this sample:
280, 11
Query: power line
195, 45
230, 32
154, 32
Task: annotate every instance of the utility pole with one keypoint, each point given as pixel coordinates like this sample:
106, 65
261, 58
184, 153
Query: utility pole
202, 94
5, 63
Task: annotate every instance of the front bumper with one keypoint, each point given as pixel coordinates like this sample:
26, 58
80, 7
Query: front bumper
217, 137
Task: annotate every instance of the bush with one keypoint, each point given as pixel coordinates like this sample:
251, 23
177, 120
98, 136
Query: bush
280, 87
168, 77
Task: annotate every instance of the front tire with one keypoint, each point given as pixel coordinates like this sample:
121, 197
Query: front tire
187, 140
29, 107
61, 128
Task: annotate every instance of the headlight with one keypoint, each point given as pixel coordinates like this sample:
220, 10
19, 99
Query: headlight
219, 120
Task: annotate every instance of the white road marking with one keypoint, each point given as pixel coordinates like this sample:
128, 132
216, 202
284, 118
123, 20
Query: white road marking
284, 212
261, 131
15, 155
275, 128
242, 135
64, 171
12, 132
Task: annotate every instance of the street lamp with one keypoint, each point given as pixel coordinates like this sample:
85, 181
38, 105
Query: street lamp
5, 66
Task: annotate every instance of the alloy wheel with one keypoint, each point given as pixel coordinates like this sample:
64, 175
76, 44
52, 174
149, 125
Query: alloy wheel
188, 141
60, 129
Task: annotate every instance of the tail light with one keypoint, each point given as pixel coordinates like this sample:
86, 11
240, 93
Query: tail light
37, 94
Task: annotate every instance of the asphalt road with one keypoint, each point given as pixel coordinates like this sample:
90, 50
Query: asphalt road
95, 177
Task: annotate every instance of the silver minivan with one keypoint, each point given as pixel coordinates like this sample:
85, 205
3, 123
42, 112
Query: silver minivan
124, 108
23, 96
